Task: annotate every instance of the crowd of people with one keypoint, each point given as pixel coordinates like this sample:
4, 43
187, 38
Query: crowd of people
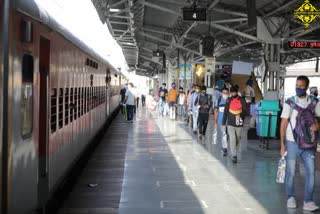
299, 129
195, 105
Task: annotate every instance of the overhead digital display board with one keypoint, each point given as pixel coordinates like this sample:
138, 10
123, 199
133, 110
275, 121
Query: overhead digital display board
304, 44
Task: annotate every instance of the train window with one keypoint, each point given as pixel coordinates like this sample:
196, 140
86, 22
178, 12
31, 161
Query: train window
71, 105
82, 101
27, 96
91, 80
87, 61
91, 63
26, 31
66, 106
60, 119
76, 103
53, 117
87, 99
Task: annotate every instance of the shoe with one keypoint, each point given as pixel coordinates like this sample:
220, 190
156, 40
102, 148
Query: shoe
234, 159
194, 132
292, 204
309, 206
200, 136
224, 152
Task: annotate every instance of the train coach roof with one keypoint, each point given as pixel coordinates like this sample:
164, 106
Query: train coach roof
32, 9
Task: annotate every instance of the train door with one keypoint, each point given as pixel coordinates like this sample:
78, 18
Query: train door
44, 65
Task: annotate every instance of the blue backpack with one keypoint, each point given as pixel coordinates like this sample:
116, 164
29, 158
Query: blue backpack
302, 133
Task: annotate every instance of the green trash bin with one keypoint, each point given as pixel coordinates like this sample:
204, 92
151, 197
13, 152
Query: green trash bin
267, 116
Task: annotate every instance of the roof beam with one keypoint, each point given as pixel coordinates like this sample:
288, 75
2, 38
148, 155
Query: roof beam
156, 31
119, 23
158, 7
229, 49
118, 3
230, 30
121, 17
214, 3
281, 8
187, 31
151, 60
169, 43
229, 20
230, 12
121, 11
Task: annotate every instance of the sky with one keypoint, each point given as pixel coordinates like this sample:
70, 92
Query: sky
81, 18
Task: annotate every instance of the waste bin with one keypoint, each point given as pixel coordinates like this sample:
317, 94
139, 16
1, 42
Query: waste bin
266, 118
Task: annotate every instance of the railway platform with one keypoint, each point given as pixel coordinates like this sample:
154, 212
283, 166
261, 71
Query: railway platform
155, 165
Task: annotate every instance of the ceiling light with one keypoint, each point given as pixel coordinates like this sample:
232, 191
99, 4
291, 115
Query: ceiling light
114, 10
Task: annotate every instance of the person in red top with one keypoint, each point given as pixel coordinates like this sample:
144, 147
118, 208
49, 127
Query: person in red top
234, 114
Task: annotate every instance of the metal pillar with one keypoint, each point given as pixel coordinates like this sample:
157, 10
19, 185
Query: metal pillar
271, 79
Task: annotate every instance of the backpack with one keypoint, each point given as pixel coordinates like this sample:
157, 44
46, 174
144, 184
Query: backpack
302, 133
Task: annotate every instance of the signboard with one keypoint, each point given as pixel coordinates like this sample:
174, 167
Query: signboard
307, 13
304, 44
210, 64
188, 71
194, 14
242, 68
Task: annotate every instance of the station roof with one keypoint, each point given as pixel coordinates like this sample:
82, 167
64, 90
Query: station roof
143, 26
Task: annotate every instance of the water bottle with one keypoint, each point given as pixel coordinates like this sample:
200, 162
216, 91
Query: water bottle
215, 136
312, 135
281, 174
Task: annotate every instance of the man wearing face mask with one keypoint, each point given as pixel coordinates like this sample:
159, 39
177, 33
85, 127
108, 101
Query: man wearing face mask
204, 103
218, 116
293, 148
233, 115
193, 109
172, 101
162, 101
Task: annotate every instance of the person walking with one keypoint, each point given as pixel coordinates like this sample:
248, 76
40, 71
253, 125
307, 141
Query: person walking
172, 101
293, 145
249, 93
123, 96
203, 102
194, 110
218, 116
129, 101
234, 114
181, 103
162, 99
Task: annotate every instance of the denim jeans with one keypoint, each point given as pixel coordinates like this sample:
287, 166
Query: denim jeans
308, 157
130, 109
181, 110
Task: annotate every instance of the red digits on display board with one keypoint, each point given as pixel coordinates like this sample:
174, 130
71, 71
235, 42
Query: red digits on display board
304, 44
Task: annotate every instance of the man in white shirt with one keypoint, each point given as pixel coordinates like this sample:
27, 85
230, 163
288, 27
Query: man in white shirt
130, 102
288, 144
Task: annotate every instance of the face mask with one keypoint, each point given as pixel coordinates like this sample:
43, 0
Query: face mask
174, 86
300, 92
225, 96
203, 92
163, 86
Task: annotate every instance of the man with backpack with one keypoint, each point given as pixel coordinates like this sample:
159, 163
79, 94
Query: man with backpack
218, 116
193, 109
299, 137
203, 102
234, 114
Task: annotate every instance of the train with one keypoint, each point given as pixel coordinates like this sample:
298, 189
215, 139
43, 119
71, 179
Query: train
56, 94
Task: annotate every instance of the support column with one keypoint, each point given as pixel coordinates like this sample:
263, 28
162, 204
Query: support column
271, 77
210, 64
